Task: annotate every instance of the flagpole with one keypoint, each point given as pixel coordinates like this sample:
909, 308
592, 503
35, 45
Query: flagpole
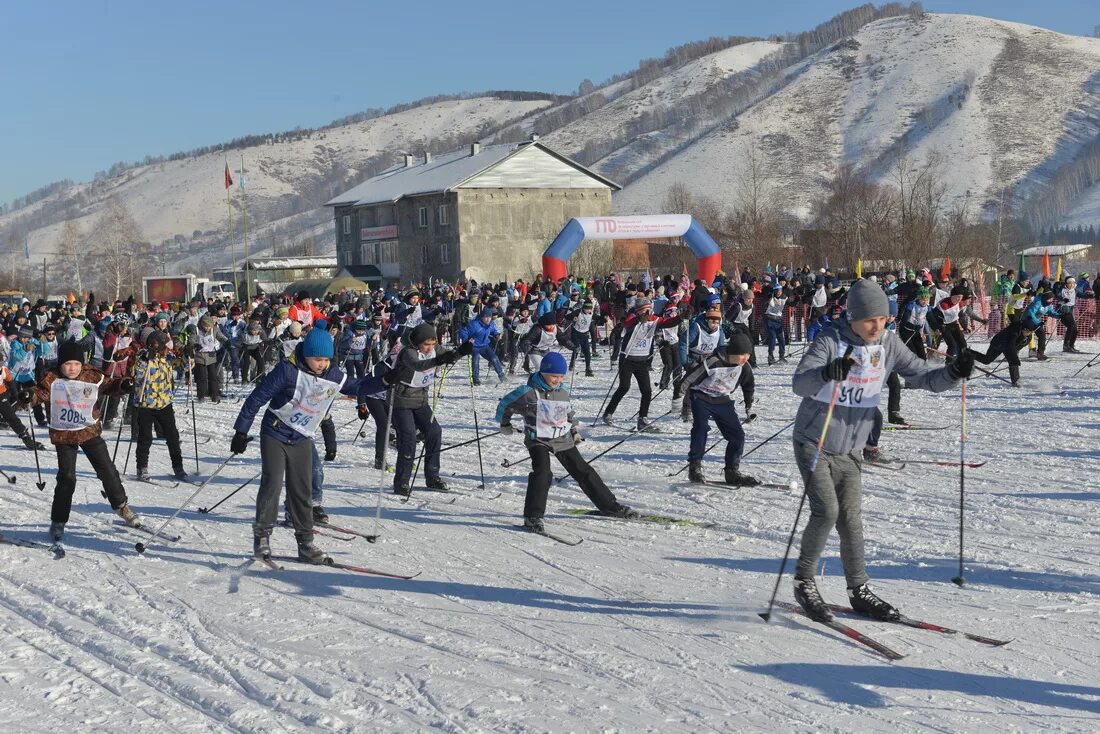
244, 215
229, 209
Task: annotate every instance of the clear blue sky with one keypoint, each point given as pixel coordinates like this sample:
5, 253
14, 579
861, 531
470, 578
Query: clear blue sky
89, 83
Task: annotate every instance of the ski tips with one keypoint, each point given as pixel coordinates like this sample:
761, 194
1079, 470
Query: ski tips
959, 581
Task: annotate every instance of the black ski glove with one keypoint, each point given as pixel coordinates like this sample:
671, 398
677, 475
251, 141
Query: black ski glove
464, 349
239, 442
398, 374
330, 455
963, 365
838, 368
363, 411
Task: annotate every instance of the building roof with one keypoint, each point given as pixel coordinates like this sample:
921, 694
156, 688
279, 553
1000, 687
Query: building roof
1054, 250
443, 173
285, 263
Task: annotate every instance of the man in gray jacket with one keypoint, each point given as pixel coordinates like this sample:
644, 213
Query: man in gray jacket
859, 353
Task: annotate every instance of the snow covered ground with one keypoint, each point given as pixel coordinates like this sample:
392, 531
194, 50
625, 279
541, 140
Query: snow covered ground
640, 628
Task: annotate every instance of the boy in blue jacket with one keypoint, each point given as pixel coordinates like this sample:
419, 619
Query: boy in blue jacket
482, 333
299, 395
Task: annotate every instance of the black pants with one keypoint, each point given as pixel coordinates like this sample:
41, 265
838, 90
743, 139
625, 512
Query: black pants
406, 421
355, 368
252, 364
914, 340
953, 336
10, 416
207, 381
639, 369
1071, 330
100, 458
378, 411
165, 420
583, 344
538, 481
670, 364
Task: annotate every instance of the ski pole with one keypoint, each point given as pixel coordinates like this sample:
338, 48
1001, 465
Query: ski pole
605, 397
749, 419
482, 437
477, 428
194, 430
118, 436
382, 470
767, 615
615, 445
9, 477
361, 433
140, 547
207, 510
991, 373
961, 579
1090, 364
30, 422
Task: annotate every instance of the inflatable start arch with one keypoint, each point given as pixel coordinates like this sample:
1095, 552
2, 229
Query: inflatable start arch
625, 228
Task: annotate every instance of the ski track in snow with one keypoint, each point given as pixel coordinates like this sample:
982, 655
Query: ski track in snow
640, 628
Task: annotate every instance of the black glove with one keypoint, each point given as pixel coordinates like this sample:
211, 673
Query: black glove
506, 429
126, 385
464, 349
239, 442
24, 396
330, 454
398, 374
963, 365
363, 411
838, 369
452, 356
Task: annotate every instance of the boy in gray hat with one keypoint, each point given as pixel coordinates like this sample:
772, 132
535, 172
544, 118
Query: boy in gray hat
860, 353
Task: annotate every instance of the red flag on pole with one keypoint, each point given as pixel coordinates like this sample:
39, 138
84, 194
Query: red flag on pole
1046, 264
228, 176
945, 271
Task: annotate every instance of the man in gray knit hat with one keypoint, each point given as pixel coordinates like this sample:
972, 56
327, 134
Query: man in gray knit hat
858, 352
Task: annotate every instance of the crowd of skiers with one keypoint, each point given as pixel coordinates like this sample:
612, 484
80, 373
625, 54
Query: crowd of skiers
78, 369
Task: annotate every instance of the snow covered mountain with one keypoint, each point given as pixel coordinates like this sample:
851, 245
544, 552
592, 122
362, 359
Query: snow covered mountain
178, 197
1007, 106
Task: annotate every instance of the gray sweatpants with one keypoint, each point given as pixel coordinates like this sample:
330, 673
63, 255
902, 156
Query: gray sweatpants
295, 462
835, 491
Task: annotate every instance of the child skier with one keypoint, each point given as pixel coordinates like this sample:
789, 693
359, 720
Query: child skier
708, 390
71, 396
858, 353
638, 339
154, 383
549, 429
298, 395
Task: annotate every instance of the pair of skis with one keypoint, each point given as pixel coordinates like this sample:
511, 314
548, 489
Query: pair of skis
872, 643
275, 564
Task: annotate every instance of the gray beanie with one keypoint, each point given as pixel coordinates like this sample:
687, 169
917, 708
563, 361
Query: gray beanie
866, 301
640, 302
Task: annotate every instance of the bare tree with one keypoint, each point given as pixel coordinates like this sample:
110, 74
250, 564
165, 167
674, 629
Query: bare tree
117, 242
70, 250
754, 223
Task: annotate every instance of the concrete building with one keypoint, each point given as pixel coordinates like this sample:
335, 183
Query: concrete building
273, 274
484, 212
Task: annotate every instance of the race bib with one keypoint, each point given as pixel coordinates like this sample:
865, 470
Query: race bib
863, 386
584, 320
547, 339
305, 317
72, 403
641, 341
423, 379
522, 327
313, 396
721, 381
707, 343
208, 342
551, 418
358, 343
415, 317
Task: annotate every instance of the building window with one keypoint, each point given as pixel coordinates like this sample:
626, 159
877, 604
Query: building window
383, 216
423, 212
347, 224
368, 253
424, 255
445, 253
443, 216
366, 218
389, 252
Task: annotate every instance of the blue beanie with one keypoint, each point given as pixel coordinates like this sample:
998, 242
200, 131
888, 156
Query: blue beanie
553, 364
486, 313
318, 343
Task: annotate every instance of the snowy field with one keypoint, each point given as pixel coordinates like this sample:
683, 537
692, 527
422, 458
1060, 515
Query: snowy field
640, 628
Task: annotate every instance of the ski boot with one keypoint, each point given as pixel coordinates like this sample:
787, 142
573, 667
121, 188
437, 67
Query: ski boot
589, 373
57, 531
807, 595
436, 483
403, 491
644, 424
622, 511
309, 553
143, 474
179, 473
30, 443
865, 602
695, 472
108, 426
897, 419
261, 546
607, 419
1041, 357
129, 516
534, 524
735, 478
319, 514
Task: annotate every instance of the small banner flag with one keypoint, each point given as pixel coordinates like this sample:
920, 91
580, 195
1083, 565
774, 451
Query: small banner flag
1046, 264
945, 271
228, 176
859, 268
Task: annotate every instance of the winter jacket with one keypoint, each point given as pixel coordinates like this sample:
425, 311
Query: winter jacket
410, 358
154, 381
90, 375
697, 336
705, 381
22, 359
276, 389
206, 344
557, 418
851, 424
631, 334
481, 333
